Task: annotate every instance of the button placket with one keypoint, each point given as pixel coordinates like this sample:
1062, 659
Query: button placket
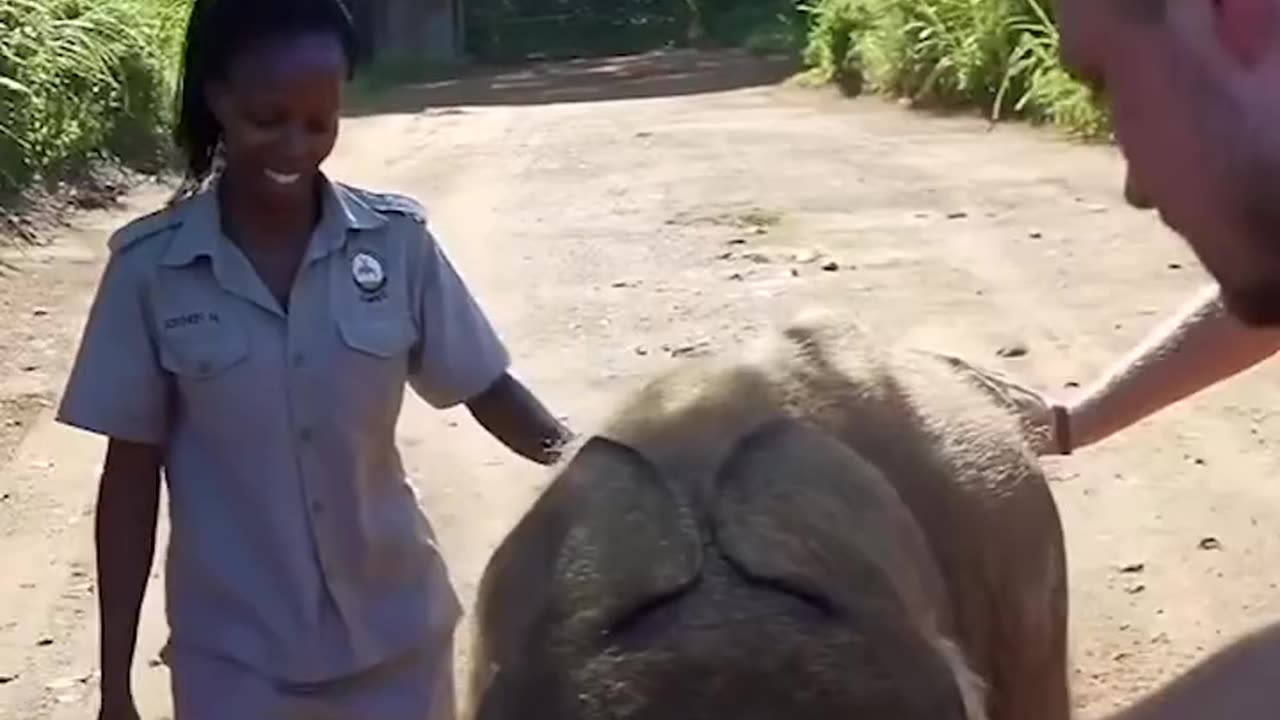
306, 437
309, 466
299, 359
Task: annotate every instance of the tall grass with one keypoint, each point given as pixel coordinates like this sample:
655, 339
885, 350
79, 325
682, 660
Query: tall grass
81, 79
999, 55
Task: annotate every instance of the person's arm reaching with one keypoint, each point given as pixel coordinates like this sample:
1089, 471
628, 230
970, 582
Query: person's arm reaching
1198, 347
515, 417
461, 359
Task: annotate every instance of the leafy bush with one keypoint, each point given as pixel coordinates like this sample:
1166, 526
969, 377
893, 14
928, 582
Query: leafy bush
1045, 91
81, 79
999, 55
835, 51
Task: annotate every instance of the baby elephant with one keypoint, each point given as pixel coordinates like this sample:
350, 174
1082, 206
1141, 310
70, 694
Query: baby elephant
817, 529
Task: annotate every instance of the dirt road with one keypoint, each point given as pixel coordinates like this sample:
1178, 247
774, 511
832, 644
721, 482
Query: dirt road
613, 215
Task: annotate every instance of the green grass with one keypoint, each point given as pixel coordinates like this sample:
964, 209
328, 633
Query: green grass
85, 79
997, 55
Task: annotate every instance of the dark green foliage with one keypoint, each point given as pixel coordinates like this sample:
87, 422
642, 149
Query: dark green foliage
512, 30
81, 79
998, 55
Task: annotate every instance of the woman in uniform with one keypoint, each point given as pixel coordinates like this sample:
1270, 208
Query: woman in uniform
254, 339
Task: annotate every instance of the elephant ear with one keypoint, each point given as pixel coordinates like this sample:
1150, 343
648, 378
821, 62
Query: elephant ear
800, 510
608, 536
797, 508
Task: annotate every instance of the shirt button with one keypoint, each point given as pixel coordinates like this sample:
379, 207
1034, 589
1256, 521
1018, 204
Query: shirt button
298, 360
305, 434
317, 507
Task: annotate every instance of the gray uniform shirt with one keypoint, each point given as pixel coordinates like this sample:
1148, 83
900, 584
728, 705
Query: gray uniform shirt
297, 545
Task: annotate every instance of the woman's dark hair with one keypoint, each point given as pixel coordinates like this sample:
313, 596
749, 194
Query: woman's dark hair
216, 32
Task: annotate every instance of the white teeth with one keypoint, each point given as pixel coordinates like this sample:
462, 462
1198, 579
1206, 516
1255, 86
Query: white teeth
282, 178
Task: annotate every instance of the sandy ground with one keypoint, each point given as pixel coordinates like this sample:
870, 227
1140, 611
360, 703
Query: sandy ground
614, 216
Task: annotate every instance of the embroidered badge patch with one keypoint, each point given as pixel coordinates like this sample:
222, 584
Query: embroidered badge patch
368, 274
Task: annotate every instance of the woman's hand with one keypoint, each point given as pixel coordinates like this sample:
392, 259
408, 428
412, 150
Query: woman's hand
513, 415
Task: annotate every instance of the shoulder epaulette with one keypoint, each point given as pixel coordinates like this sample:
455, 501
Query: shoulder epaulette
396, 203
144, 227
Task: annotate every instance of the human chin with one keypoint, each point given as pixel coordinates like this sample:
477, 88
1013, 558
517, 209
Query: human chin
1256, 305
1246, 288
1255, 300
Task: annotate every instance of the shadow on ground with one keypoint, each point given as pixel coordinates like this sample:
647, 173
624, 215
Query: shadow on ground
656, 74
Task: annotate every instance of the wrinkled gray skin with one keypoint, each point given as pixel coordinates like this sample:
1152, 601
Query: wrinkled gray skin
810, 531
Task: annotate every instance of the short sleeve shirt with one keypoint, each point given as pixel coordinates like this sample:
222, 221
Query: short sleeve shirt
297, 545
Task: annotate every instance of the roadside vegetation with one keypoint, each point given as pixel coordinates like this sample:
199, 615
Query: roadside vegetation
84, 82
1000, 56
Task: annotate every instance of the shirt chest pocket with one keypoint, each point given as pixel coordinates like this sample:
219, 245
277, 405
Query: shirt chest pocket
199, 336
370, 367
369, 300
385, 336
203, 354
210, 368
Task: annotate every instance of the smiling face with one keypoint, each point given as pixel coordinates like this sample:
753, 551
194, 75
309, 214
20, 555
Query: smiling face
1194, 92
279, 107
